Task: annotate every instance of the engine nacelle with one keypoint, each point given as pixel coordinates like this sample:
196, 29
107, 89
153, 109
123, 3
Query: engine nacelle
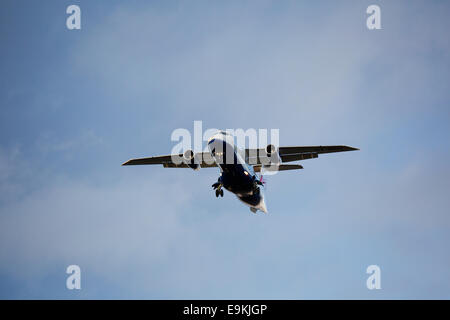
190, 160
273, 155
270, 149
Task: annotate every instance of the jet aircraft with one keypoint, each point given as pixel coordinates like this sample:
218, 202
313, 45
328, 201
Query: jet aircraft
241, 170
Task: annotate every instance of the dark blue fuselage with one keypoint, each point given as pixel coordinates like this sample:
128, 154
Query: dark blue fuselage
236, 176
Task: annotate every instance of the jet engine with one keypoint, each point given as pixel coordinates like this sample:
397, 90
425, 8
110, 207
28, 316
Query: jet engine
190, 160
273, 155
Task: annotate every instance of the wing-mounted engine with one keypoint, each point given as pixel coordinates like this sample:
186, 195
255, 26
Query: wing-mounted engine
272, 155
271, 160
190, 160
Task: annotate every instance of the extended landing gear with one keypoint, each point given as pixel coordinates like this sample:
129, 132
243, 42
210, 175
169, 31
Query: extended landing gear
256, 184
218, 187
255, 188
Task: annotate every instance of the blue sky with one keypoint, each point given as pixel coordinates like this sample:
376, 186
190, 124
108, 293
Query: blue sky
76, 104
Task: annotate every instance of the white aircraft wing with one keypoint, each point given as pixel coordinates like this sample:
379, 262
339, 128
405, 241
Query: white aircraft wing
288, 154
204, 159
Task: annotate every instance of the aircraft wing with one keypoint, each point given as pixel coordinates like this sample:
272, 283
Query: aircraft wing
253, 156
288, 154
203, 158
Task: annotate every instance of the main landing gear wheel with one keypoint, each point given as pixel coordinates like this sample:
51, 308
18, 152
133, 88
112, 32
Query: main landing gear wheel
218, 187
256, 184
219, 192
256, 190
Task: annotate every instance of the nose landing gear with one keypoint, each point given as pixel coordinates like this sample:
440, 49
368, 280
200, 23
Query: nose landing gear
219, 192
218, 187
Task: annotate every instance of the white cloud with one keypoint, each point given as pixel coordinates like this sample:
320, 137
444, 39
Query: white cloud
160, 233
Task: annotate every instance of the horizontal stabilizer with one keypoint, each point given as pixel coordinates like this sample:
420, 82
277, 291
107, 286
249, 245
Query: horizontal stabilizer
281, 167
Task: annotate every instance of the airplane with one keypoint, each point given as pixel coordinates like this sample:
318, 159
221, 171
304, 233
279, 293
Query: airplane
239, 168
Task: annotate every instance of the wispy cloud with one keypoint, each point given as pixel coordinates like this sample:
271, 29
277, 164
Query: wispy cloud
137, 71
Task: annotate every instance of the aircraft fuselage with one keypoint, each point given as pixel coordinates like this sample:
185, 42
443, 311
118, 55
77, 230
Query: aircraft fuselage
236, 176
